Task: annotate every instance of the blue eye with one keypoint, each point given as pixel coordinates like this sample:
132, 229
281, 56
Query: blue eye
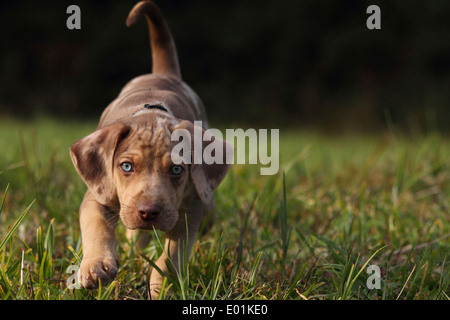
126, 167
176, 170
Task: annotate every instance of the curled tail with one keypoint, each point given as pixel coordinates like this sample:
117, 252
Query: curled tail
164, 52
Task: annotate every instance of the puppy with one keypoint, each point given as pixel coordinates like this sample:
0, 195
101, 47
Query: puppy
130, 171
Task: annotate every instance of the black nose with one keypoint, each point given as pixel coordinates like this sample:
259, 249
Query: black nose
148, 211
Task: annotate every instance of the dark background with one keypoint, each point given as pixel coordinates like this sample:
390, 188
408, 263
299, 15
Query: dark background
299, 63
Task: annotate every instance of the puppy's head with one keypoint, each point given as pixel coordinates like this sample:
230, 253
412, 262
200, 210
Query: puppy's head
132, 165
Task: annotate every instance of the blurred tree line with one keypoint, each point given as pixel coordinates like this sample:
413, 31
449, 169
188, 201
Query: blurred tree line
287, 62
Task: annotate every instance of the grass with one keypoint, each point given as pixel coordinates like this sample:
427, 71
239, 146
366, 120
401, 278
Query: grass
337, 205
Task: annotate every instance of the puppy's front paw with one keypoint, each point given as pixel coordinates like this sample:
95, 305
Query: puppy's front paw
93, 269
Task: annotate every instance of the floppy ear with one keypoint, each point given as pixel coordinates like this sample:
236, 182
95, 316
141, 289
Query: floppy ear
207, 174
93, 157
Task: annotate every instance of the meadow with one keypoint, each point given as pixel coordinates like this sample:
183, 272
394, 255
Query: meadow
338, 205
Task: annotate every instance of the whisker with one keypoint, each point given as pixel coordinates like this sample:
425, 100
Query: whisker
131, 196
173, 195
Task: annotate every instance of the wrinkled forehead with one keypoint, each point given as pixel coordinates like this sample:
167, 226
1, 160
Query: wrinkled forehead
151, 138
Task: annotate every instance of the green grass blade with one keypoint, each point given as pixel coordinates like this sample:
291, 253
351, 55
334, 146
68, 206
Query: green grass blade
109, 290
39, 244
285, 233
363, 268
2, 203
49, 241
294, 282
15, 226
349, 283
443, 280
75, 254
254, 273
